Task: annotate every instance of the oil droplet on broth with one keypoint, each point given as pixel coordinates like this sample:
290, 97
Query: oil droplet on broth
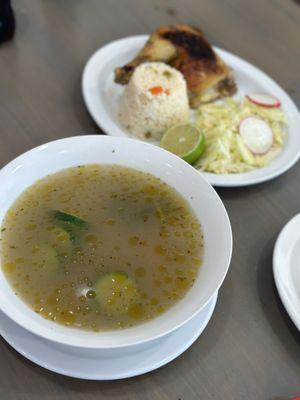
154, 301
160, 250
90, 294
168, 280
52, 300
8, 267
140, 272
110, 221
181, 282
30, 227
136, 311
66, 317
91, 239
133, 241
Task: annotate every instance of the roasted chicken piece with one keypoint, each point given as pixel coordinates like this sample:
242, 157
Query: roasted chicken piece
186, 49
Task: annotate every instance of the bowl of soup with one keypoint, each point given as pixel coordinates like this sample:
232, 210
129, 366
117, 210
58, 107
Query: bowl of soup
108, 242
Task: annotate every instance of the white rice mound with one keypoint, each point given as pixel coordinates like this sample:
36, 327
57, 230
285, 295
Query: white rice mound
147, 115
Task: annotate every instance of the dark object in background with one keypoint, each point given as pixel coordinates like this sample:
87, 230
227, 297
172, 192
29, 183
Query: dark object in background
7, 21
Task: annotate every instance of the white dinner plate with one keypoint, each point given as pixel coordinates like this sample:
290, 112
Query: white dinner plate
102, 365
286, 268
102, 97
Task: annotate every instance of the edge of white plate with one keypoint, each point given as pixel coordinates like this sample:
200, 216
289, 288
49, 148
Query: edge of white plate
220, 180
276, 271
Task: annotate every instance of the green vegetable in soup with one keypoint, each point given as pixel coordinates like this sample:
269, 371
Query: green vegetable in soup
45, 257
116, 292
70, 218
70, 229
61, 240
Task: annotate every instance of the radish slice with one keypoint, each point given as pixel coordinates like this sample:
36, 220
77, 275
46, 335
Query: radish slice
263, 99
256, 134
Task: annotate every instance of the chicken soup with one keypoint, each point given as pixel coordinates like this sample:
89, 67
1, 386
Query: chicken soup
100, 247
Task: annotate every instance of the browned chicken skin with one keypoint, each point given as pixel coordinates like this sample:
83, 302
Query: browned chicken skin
186, 49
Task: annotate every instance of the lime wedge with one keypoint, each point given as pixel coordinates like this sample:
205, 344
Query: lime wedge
186, 141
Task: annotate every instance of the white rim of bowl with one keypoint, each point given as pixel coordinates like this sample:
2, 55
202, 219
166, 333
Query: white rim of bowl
75, 343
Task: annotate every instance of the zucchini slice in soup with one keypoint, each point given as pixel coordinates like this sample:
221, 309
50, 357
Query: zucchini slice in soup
45, 257
70, 218
116, 292
61, 240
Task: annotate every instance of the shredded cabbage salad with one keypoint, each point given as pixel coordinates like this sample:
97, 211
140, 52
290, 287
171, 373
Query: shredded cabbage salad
225, 150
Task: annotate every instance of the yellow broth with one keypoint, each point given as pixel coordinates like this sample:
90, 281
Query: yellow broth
131, 249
